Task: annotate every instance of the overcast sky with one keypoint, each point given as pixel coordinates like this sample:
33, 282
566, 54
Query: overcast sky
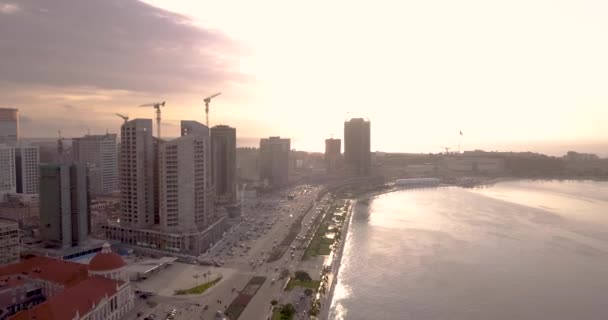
512, 75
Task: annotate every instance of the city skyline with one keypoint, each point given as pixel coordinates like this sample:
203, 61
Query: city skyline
419, 65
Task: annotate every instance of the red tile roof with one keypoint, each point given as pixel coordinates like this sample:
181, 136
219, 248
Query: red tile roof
49, 269
81, 297
104, 261
10, 282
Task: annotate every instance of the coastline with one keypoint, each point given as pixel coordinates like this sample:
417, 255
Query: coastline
336, 262
336, 259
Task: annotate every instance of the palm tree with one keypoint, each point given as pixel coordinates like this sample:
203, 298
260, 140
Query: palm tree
315, 308
322, 289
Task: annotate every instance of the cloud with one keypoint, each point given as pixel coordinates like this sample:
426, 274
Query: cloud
8, 8
113, 45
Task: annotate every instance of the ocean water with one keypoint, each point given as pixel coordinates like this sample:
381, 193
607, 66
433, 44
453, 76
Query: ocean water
515, 250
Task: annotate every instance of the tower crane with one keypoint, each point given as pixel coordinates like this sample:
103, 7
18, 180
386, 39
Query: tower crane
156, 105
125, 118
207, 101
447, 149
60, 147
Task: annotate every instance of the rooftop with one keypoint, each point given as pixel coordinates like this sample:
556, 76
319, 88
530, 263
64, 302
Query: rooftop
106, 260
80, 299
49, 269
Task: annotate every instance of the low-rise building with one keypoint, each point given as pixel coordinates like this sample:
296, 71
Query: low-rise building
191, 243
421, 169
45, 288
478, 165
23, 210
9, 242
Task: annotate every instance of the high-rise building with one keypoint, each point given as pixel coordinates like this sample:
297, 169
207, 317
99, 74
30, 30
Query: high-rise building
99, 152
274, 161
247, 164
188, 222
357, 154
9, 242
27, 160
8, 183
333, 148
223, 163
186, 192
64, 204
137, 173
9, 125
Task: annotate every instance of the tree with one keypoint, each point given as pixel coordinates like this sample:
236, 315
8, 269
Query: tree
326, 269
302, 275
315, 308
274, 302
288, 310
284, 273
322, 289
308, 292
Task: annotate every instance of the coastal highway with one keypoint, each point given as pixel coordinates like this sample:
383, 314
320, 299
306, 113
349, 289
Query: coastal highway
246, 250
243, 253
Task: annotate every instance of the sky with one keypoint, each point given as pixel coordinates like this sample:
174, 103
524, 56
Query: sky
521, 75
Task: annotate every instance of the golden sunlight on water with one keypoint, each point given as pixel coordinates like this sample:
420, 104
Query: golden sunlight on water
493, 253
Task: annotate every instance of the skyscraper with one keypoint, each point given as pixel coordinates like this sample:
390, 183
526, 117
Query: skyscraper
274, 161
223, 163
100, 153
137, 173
9, 125
8, 182
357, 155
187, 221
186, 192
333, 149
27, 160
64, 204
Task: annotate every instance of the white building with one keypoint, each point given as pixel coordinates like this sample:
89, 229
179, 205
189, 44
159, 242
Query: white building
9, 242
186, 192
100, 153
8, 181
9, 125
137, 173
27, 160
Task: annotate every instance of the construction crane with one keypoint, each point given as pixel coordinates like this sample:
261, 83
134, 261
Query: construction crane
156, 105
125, 118
207, 101
447, 149
60, 147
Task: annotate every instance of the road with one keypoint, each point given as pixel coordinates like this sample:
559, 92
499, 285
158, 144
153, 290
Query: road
243, 251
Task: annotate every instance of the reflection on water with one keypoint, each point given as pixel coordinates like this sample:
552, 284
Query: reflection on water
515, 250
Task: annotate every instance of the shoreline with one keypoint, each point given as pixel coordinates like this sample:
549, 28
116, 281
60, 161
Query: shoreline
336, 262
